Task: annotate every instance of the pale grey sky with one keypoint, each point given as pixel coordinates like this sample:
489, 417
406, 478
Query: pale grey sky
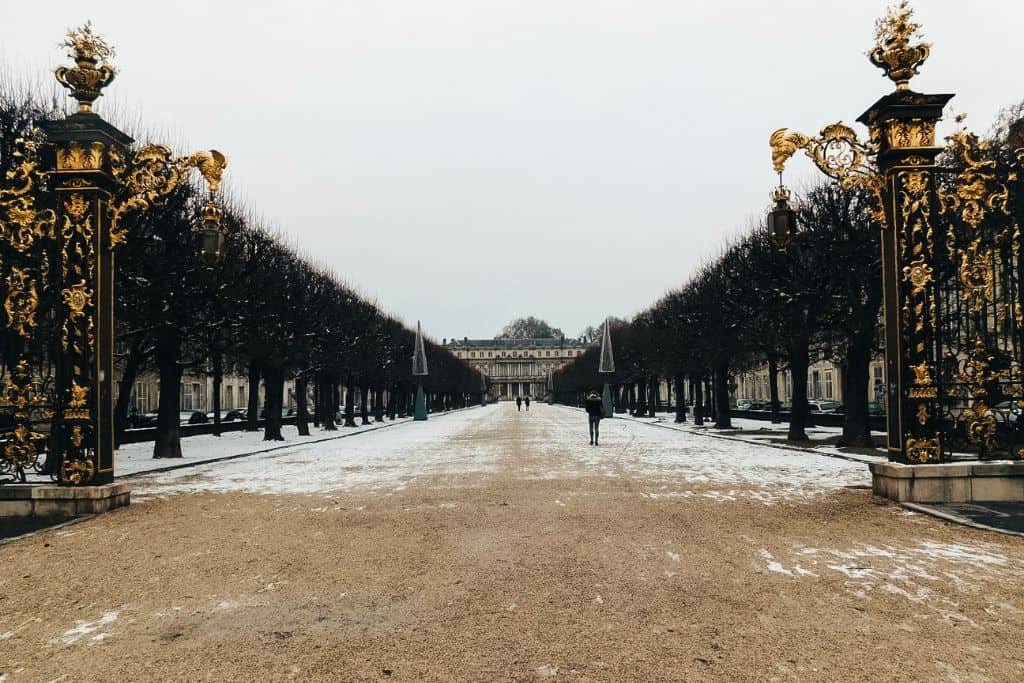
467, 162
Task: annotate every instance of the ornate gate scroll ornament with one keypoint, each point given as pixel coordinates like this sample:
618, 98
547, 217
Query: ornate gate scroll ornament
952, 274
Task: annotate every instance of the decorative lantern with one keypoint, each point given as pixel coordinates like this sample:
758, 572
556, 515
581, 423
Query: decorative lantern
782, 219
210, 236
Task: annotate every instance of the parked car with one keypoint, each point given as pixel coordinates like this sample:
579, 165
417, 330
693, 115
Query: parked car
875, 408
762, 406
227, 416
138, 421
194, 417
824, 406
1012, 407
744, 404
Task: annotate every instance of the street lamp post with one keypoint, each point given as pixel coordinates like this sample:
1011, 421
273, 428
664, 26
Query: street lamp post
73, 190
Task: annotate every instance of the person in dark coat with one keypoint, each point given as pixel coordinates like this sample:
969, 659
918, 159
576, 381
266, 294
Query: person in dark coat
527, 401
519, 403
595, 411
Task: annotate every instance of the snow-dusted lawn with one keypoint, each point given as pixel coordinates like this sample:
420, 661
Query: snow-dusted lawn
669, 463
135, 458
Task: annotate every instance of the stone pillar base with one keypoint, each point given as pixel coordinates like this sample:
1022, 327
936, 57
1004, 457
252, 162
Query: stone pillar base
971, 482
50, 500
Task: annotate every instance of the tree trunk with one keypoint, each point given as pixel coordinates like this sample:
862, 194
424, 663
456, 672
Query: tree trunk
350, 401
773, 387
652, 405
856, 383
301, 411
327, 411
136, 354
641, 398
723, 419
252, 414
318, 407
799, 360
680, 400
218, 379
697, 385
273, 404
168, 430
709, 396
378, 402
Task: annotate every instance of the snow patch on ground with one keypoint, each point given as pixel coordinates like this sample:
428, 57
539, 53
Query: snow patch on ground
910, 572
672, 463
84, 628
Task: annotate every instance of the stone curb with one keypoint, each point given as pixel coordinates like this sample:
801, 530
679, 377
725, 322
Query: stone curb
957, 519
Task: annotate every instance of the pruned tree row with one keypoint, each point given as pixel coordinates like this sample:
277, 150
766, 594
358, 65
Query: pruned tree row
267, 309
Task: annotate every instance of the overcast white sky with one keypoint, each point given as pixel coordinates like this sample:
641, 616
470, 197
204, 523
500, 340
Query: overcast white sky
467, 162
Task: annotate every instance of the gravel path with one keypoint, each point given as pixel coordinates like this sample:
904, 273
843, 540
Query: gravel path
496, 545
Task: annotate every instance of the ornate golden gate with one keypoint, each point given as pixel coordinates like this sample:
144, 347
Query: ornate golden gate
65, 207
952, 272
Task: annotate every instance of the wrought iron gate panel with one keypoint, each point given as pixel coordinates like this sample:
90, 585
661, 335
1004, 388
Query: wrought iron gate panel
976, 288
27, 290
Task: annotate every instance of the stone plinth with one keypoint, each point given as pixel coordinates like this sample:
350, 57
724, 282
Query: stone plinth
50, 500
970, 482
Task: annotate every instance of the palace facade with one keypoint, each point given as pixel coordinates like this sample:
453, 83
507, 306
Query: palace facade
517, 367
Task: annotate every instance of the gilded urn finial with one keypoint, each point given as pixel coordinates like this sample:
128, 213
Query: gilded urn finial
92, 71
893, 52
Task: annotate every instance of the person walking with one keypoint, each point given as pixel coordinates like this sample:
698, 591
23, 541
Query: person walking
519, 402
527, 401
595, 411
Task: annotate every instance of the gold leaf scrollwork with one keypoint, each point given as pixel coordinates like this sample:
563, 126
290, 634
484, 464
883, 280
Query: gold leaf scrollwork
976, 275
919, 275
923, 450
977, 189
981, 424
77, 472
21, 302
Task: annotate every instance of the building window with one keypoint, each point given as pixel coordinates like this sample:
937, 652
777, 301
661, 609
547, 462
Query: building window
472, 354
828, 384
815, 389
140, 397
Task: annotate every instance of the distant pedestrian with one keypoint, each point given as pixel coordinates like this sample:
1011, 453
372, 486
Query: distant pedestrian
527, 404
595, 411
519, 402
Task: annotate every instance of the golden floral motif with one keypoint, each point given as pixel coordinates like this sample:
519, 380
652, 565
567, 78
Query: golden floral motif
892, 52
922, 374
919, 275
75, 157
77, 471
89, 76
77, 205
910, 133
981, 424
922, 414
21, 302
77, 297
976, 275
923, 450
977, 190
